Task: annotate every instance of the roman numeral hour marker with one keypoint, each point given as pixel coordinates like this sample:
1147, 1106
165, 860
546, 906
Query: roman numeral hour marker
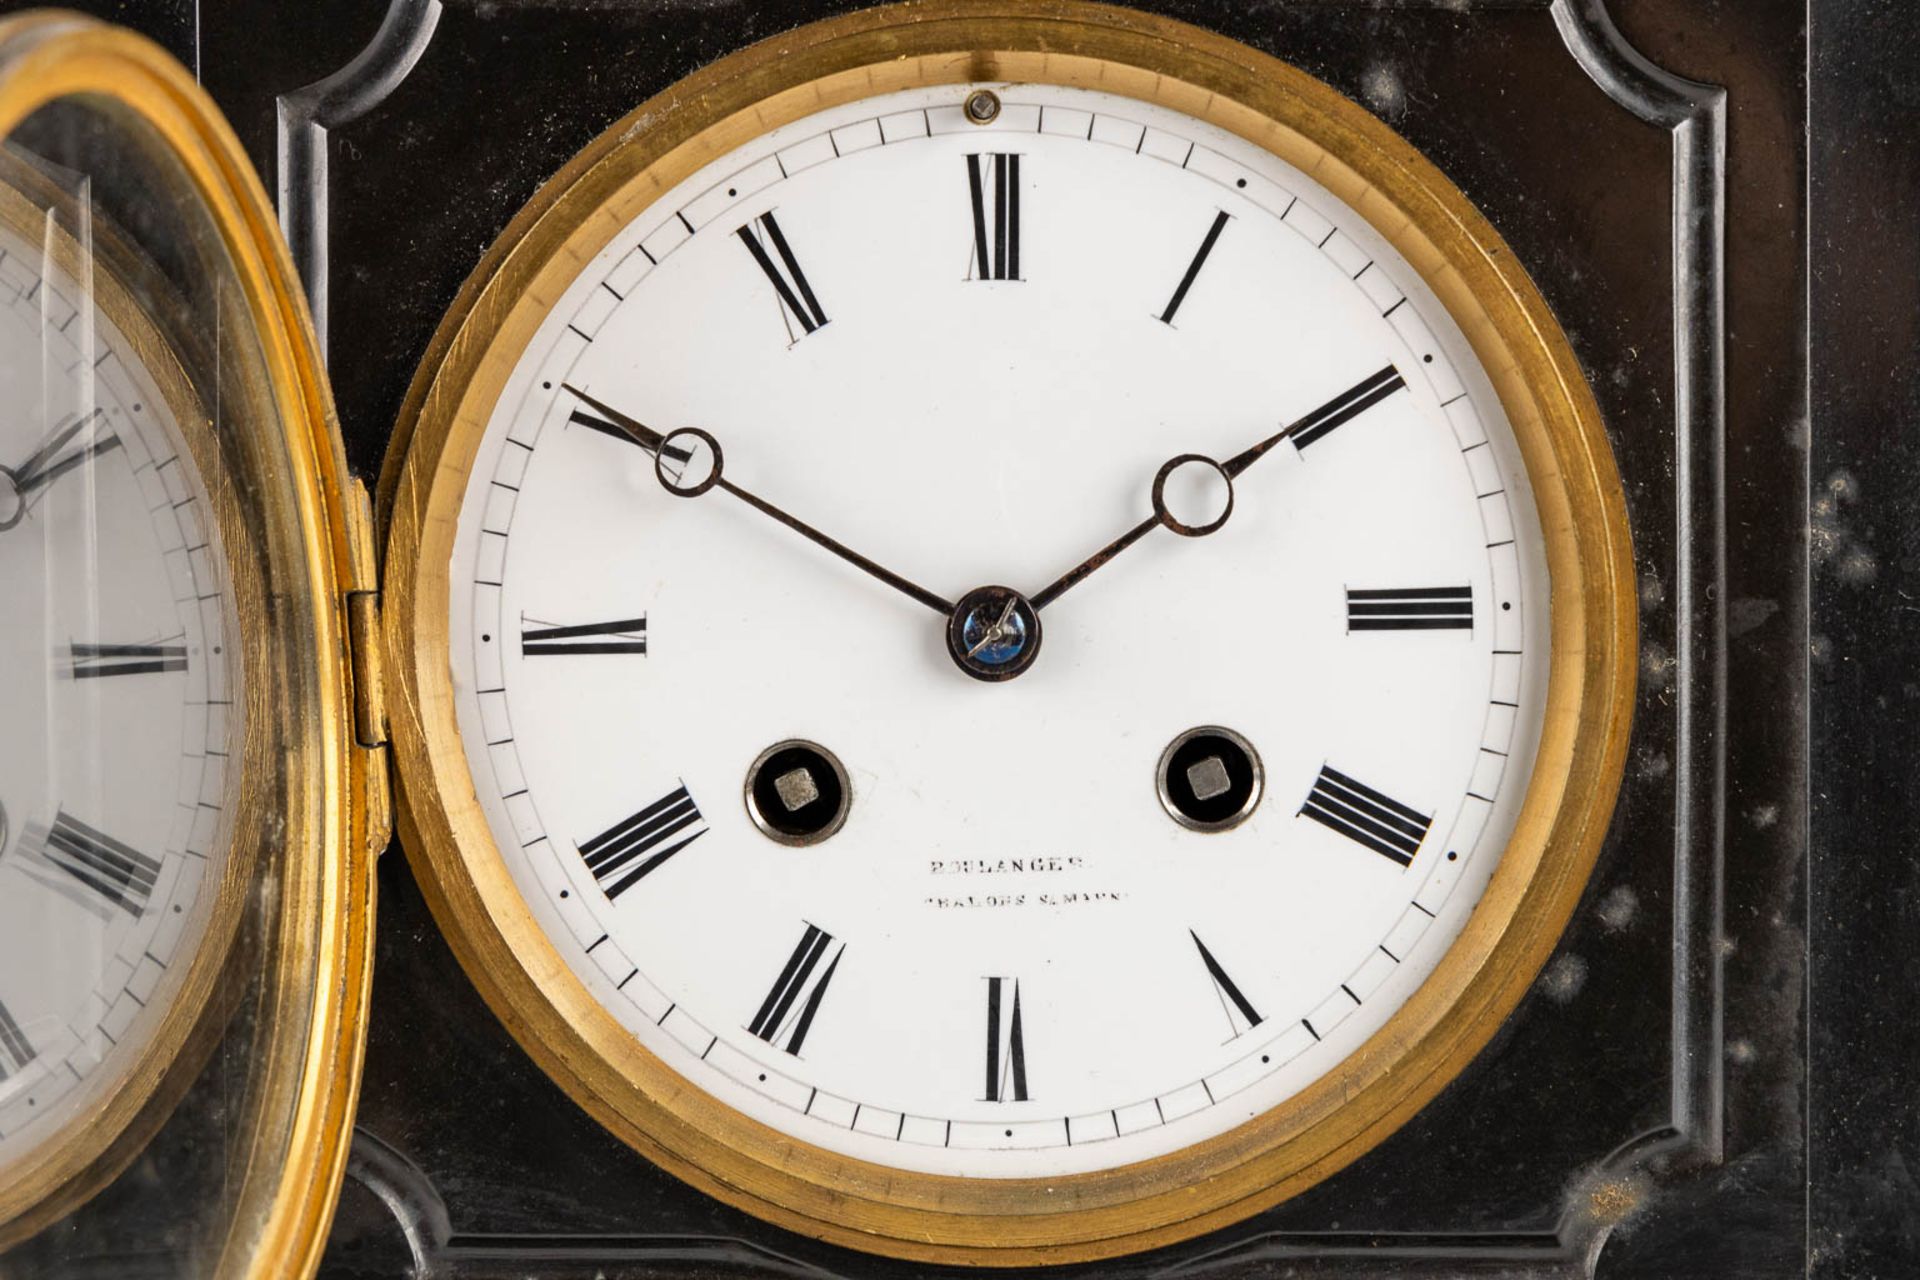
632, 849
993, 182
593, 422
106, 872
15, 1050
1006, 1042
1346, 406
626, 635
1241, 1015
786, 1014
1193, 268
93, 660
797, 300
1365, 816
1410, 609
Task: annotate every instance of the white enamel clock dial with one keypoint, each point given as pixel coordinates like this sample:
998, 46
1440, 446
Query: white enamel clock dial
120, 711
965, 350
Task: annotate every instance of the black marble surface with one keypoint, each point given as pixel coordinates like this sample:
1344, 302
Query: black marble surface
1863, 1203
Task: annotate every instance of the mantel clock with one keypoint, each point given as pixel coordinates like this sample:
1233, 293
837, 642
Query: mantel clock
1006, 629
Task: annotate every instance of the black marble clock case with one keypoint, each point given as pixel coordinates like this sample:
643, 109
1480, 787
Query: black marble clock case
1714, 1075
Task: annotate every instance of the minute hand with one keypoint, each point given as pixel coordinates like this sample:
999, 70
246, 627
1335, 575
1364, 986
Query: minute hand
1350, 403
655, 443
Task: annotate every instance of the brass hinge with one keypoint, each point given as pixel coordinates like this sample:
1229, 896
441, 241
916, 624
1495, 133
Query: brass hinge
367, 656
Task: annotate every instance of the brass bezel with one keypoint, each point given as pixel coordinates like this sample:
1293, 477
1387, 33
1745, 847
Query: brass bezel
281, 1200
1569, 800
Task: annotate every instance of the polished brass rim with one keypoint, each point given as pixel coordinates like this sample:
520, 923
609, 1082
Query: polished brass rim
1569, 799
282, 1199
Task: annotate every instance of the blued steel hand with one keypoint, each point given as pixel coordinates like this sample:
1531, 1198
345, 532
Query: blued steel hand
655, 443
1074, 576
1348, 404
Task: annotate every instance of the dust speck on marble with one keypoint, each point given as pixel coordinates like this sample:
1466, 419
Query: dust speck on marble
1830, 542
1383, 89
1618, 908
1564, 978
1658, 665
1606, 1199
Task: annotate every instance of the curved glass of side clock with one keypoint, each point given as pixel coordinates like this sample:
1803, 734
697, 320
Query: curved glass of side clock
165, 773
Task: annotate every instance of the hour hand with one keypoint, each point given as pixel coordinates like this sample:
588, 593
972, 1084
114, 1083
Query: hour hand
700, 469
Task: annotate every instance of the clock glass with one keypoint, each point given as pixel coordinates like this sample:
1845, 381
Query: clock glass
165, 782
120, 672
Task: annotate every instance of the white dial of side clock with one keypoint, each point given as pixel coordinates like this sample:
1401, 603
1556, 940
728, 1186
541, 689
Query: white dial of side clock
966, 350
114, 675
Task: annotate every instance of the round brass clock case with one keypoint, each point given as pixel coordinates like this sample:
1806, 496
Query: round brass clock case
1568, 800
